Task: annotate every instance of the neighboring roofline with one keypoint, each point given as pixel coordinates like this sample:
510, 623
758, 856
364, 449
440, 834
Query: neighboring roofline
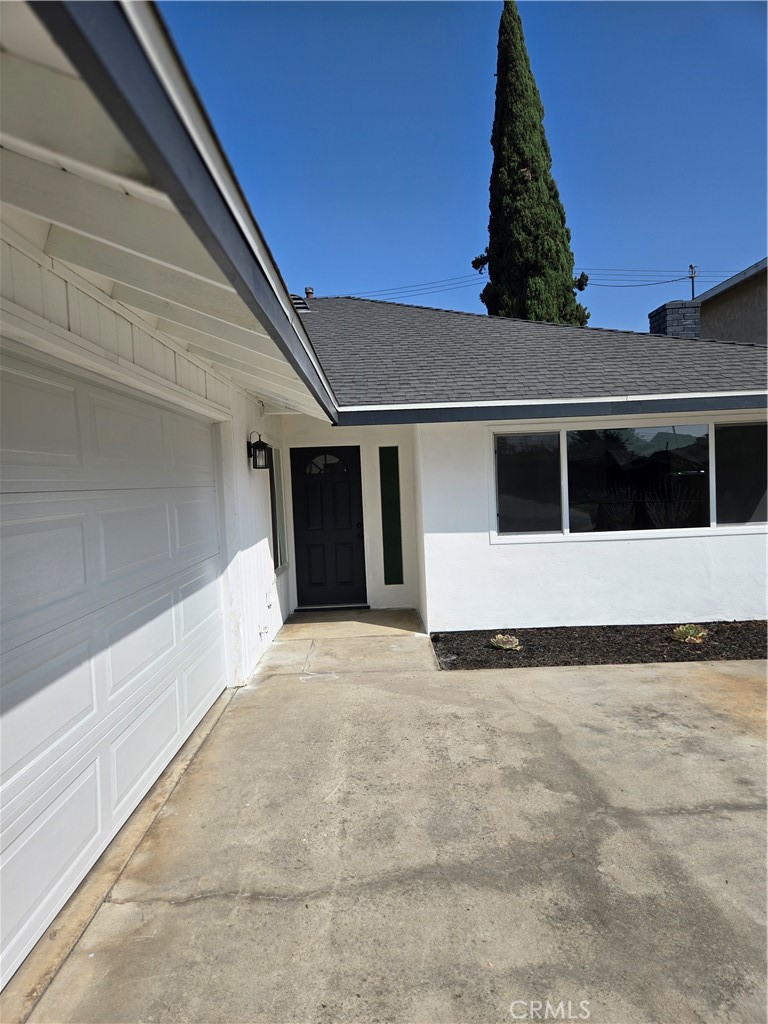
744, 275
549, 408
119, 50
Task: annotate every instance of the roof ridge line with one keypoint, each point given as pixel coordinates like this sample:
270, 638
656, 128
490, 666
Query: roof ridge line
411, 305
542, 323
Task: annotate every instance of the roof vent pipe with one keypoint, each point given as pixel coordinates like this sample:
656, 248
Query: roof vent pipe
309, 292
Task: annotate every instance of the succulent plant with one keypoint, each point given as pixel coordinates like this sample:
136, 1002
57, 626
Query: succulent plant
506, 642
690, 633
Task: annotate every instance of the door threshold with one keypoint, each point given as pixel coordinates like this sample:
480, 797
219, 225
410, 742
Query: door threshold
331, 607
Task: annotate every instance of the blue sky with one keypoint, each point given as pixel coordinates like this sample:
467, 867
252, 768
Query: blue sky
360, 133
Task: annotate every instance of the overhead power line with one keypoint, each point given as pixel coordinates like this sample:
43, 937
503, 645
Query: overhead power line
642, 284
634, 277
600, 277
619, 270
392, 296
421, 284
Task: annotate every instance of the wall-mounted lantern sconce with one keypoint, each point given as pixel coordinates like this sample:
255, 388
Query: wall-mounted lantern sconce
260, 452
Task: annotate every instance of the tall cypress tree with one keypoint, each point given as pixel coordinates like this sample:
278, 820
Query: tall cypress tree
529, 258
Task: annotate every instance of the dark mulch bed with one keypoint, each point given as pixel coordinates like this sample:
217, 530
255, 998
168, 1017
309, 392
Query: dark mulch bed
599, 645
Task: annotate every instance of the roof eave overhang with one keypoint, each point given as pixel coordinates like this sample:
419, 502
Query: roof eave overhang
737, 279
101, 43
551, 410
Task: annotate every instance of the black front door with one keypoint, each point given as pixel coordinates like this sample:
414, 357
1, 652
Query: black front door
328, 526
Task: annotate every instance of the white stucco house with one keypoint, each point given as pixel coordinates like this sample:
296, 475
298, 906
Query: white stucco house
488, 473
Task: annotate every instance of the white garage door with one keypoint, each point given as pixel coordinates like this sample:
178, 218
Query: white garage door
112, 645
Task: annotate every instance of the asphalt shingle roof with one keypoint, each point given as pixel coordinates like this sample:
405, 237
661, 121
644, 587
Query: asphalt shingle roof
383, 353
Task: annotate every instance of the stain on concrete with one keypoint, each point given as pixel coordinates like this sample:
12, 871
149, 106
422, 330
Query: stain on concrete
736, 691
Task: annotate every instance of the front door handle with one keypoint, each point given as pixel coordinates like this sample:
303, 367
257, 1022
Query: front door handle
360, 528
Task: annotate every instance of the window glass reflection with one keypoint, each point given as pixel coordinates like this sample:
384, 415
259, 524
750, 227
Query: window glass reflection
741, 456
640, 478
528, 483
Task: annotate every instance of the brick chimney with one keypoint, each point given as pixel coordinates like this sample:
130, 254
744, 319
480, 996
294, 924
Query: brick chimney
681, 318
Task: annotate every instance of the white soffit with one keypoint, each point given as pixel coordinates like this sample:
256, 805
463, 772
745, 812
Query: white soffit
23, 34
66, 165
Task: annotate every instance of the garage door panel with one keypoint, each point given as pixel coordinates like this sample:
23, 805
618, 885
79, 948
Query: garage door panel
127, 675
48, 565
133, 439
198, 603
134, 540
39, 421
141, 542
68, 822
130, 755
138, 642
64, 824
64, 556
190, 447
42, 563
203, 679
195, 521
125, 740
144, 747
112, 623
47, 694
127, 435
46, 440
61, 434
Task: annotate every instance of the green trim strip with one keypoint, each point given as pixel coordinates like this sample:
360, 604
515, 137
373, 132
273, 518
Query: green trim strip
391, 529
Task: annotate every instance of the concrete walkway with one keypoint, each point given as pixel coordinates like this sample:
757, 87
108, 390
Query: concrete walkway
364, 838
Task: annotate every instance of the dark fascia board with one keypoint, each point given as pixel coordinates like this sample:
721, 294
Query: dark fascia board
100, 42
566, 410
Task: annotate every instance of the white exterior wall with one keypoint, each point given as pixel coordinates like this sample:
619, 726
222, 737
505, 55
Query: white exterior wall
476, 579
302, 432
257, 597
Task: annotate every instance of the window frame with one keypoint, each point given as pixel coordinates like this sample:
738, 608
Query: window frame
564, 534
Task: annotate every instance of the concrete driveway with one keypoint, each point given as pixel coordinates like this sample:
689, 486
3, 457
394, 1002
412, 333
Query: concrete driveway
364, 838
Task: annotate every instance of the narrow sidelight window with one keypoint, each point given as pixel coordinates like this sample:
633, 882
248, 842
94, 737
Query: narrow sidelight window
277, 508
644, 478
528, 483
391, 529
741, 453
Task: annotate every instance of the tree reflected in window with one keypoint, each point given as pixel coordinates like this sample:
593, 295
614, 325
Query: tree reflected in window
644, 478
